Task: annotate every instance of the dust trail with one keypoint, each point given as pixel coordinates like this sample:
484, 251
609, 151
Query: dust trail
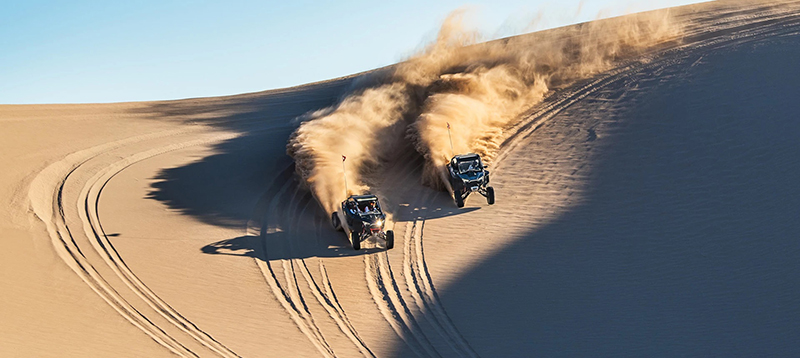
363, 127
479, 88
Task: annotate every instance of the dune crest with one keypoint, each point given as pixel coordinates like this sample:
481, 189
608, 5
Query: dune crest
476, 88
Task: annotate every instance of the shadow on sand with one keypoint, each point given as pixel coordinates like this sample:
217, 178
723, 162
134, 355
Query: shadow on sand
223, 188
214, 188
687, 241
292, 225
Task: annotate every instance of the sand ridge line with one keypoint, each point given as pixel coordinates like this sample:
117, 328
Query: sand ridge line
555, 108
58, 208
533, 121
740, 30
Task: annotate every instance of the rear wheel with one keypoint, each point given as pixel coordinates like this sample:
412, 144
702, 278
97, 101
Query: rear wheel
389, 240
490, 195
356, 240
459, 200
337, 224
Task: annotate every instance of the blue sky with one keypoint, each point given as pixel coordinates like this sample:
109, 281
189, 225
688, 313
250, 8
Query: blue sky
109, 51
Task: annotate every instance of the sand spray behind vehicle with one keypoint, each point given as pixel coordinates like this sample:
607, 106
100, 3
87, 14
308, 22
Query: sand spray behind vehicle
363, 127
478, 88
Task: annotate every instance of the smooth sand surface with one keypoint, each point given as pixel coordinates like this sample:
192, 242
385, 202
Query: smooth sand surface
649, 211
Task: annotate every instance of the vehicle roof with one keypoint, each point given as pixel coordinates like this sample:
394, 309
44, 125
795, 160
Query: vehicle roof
366, 197
469, 156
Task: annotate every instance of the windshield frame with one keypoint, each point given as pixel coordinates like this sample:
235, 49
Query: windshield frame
363, 204
463, 165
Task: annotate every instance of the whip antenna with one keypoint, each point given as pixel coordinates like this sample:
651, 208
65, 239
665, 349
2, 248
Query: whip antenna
451, 139
344, 173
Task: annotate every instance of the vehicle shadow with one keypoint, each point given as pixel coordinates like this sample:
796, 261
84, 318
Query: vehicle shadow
223, 188
288, 223
409, 200
257, 247
437, 205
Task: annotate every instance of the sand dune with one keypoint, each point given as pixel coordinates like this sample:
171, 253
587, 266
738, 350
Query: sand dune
647, 207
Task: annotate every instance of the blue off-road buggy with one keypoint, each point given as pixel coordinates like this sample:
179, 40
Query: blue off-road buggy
468, 174
361, 217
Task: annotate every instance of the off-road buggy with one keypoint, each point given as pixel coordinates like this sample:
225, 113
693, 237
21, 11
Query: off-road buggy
361, 217
468, 174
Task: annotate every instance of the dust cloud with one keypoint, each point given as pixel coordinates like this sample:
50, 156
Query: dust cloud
478, 88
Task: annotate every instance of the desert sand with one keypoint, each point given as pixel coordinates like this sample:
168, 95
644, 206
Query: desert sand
648, 208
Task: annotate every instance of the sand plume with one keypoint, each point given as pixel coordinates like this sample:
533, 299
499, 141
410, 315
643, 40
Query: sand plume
478, 88
362, 127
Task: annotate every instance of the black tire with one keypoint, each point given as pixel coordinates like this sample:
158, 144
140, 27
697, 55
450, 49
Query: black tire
459, 200
337, 224
456, 183
490, 195
356, 240
389, 239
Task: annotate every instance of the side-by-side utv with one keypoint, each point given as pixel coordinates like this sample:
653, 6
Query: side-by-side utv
361, 217
468, 174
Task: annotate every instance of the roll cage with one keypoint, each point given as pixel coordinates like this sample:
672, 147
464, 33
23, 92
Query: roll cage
363, 205
463, 164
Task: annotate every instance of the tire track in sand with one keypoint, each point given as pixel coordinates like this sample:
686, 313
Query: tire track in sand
260, 224
405, 299
291, 293
416, 275
384, 287
76, 235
